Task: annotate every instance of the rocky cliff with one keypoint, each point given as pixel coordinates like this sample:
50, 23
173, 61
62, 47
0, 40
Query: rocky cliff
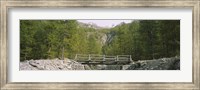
157, 64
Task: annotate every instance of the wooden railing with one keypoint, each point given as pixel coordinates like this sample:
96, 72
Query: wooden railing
95, 58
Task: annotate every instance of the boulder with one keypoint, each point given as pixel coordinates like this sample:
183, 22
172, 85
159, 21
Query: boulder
157, 64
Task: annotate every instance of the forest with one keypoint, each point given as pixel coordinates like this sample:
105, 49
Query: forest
142, 39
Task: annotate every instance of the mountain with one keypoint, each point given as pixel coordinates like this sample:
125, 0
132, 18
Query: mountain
91, 25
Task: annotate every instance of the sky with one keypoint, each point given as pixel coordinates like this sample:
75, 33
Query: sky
105, 23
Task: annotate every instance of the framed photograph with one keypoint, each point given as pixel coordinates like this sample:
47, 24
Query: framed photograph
103, 44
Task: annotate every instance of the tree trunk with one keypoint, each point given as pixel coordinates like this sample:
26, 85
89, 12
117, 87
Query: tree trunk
49, 53
63, 50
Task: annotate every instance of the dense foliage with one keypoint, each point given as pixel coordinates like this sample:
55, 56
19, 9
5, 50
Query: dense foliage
144, 39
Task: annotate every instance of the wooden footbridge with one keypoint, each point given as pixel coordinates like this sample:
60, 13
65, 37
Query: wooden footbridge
103, 59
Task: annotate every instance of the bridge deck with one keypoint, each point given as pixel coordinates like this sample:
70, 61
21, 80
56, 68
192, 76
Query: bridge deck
103, 59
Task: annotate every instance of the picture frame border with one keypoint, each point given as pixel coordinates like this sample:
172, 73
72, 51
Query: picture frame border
4, 43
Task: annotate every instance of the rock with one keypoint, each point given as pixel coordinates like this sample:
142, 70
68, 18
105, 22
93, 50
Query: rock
113, 67
156, 64
103, 39
101, 67
26, 66
51, 65
124, 67
86, 67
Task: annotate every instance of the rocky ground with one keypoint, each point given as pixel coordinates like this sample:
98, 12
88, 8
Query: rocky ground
50, 65
157, 64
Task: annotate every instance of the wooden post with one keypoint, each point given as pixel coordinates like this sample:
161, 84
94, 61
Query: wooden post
117, 57
131, 58
75, 57
104, 56
89, 57
63, 50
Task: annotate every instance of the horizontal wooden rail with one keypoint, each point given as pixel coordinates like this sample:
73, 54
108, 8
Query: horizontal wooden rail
102, 58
